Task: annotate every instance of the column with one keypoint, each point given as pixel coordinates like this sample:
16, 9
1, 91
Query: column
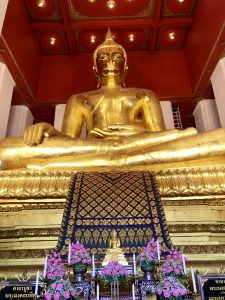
206, 115
20, 118
3, 7
6, 89
167, 114
59, 113
218, 84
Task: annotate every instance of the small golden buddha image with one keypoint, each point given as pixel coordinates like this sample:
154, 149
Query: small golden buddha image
114, 252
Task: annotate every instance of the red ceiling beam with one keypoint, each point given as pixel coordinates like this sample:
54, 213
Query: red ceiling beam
176, 22
95, 25
70, 37
157, 12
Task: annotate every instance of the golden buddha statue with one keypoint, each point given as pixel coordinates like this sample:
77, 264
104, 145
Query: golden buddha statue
114, 252
125, 127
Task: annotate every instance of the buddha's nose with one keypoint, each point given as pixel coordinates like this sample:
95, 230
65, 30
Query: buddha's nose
111, 65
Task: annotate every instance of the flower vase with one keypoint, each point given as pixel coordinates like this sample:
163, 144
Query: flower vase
79, 273
115, 294
148, 272
171, 298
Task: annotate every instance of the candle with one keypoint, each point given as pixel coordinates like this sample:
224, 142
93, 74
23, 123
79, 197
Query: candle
193, 280
134, 264
158, 251
36, 283
184, 265
93, 265
133, 292
97, 292
69, 254
45, 267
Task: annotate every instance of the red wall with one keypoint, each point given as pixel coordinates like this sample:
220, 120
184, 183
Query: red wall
164, 72
23, 43
201, 41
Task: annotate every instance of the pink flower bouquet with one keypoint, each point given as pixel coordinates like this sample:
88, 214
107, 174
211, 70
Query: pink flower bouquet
172, 288
114, 271
149, 256
60, 290
80, 257
55, 268
173, 264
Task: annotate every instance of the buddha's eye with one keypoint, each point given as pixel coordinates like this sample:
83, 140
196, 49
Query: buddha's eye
118, 56
103, 57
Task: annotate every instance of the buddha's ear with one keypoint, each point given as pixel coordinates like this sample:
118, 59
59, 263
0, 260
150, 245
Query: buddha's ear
124, 75
97, 75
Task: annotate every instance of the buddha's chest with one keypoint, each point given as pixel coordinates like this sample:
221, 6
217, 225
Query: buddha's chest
111, 103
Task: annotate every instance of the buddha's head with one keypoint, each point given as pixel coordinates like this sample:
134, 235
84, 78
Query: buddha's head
110, 62
113, 234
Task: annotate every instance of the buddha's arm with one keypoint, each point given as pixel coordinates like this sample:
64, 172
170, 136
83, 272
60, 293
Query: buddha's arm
34, 134
148, 105
75, 114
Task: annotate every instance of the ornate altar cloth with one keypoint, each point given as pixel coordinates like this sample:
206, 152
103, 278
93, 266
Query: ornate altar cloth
125, 201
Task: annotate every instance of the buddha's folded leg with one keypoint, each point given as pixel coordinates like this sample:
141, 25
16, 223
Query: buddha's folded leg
150, 139
202, 146
15, 154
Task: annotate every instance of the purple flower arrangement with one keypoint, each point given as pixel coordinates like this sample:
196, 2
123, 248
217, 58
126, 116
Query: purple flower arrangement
114, 271
173, 264
79, 256
55, 268
60, 290
150, 254
172, 288
172, 284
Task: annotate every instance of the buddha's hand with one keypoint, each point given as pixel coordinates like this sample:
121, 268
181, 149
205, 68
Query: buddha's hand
34, 134
117, 130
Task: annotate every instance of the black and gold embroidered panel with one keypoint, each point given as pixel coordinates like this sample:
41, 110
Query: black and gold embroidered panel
125, 201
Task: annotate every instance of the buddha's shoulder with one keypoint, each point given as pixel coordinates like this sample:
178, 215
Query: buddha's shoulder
139, 91
122, 91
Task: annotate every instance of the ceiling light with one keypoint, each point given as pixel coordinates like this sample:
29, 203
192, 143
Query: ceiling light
92, 1
172, 35
131, 37
41, 3
93, 39
52, 40
111, 4
180, 1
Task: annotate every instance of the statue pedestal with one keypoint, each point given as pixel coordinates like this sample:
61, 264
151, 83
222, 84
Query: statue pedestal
193, 196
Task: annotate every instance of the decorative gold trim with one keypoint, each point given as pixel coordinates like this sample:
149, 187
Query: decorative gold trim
23, 254
20, 207
33, 184
40, 253
27, 189
191, 182
29, 233
203, 249
57, 16
215, 201
54, 232
167, 13
192, 228
77, 16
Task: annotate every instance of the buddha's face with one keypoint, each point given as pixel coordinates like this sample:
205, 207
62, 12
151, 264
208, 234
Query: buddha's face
110, 61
